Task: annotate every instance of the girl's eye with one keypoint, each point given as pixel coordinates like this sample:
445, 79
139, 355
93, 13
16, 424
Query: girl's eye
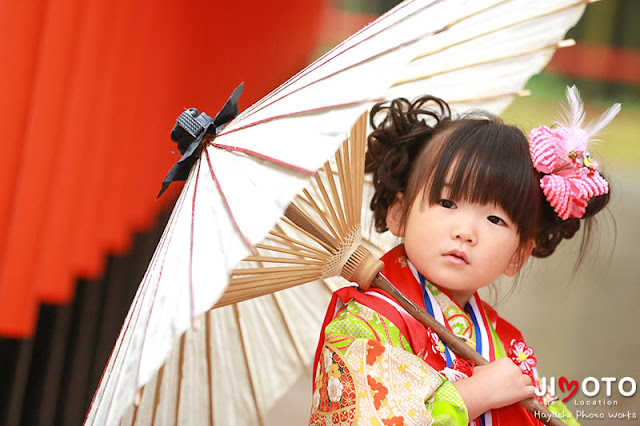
496, 220
447, 204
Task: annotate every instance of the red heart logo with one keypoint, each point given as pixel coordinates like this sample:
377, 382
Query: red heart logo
571, 386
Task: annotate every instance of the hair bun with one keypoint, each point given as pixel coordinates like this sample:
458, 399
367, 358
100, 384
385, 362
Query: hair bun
548, 237
553, 230
400, 131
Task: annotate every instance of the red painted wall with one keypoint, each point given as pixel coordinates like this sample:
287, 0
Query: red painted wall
90, 92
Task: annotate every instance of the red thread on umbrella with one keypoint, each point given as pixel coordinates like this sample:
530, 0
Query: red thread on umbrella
308, 111
123, 331
227, 206
262, 157
192, 301
163, 243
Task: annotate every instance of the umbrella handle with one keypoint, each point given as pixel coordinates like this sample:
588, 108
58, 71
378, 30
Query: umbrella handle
457, 344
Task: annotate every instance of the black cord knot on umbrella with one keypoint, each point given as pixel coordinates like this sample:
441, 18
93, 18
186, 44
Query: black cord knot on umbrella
190, 126
189, 132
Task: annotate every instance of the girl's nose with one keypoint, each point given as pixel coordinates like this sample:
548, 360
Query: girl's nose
466, 233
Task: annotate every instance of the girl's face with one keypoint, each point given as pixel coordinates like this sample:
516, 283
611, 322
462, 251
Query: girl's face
458, 245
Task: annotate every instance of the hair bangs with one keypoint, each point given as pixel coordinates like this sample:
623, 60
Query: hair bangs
487, 162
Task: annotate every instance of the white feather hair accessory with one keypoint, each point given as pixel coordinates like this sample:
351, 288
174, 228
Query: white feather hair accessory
561, 154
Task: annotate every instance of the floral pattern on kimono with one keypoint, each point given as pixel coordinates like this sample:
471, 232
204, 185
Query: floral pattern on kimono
367, 375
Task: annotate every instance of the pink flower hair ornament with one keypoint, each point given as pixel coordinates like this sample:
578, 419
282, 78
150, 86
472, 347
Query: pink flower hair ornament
570, 176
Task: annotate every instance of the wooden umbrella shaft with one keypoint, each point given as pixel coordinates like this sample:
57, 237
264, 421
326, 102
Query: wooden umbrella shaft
457, 344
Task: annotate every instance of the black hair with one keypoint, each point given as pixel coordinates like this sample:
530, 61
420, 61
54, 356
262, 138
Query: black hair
419, 146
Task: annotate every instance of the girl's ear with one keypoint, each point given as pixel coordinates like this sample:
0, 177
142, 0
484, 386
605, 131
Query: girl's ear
394, 216
519, 258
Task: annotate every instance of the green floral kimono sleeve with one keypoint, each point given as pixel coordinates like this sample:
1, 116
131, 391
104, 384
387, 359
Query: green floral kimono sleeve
368, 374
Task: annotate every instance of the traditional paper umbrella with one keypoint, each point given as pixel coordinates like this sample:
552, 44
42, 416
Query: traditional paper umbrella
177, 360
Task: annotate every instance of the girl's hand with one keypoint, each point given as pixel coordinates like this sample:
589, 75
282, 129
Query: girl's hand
494, 385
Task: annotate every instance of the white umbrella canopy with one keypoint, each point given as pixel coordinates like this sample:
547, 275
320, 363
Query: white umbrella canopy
177, 360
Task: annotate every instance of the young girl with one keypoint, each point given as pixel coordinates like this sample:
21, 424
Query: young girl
472, 199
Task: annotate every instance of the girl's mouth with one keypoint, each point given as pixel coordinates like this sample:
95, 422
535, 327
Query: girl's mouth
457, 256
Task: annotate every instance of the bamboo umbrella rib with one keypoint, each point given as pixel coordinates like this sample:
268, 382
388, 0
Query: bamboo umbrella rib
262, 281
340, 196
156, 401
361, 164
237, 297
358, 155
180, 376
561, 44
346, 176
328, 205
236, 314
258, 287
271, 259
274, 240
359, 152
344, 187
320, 198
230, 300
350, 154
288, 251
337, 204
349, 174
348, 184
504, 27
309, 205
311, 201
294, 242
209, 350
296, 343
261, 270
137, 406
329, 238
305, 232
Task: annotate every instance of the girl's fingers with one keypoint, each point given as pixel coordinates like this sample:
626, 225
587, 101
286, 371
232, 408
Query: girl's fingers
530, 392
528, 380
